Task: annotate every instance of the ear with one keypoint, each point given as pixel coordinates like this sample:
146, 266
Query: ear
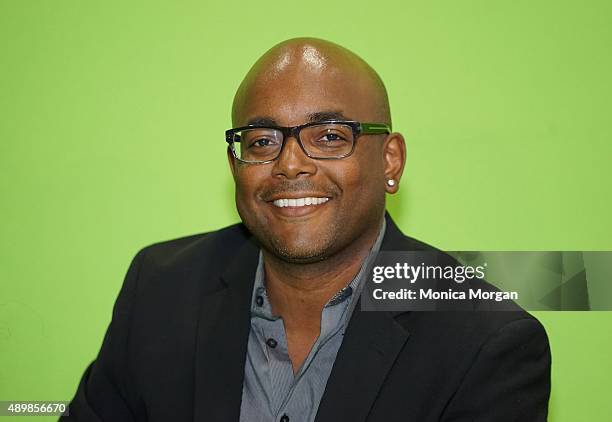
394, 156
232, 162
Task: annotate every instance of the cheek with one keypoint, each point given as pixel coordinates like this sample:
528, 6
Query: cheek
359, 180
246, 186
364, 169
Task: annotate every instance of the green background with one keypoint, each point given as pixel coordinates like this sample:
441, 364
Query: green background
111, 137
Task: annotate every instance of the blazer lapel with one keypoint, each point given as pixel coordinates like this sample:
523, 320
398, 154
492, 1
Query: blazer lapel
370, 346
223, 330
369, 349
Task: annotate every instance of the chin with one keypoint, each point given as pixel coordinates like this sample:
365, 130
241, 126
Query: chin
295, 244
300, 251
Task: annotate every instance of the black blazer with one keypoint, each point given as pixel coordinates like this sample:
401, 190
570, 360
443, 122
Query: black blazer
175, 349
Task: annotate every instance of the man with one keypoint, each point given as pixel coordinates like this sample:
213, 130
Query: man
261, 322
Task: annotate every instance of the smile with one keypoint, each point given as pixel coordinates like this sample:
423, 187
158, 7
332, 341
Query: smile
299, 202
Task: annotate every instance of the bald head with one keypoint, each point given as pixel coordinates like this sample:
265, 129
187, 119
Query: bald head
304, 67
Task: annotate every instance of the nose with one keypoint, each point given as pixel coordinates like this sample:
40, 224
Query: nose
293, 162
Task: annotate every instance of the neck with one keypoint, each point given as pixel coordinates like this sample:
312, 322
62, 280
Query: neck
298, 292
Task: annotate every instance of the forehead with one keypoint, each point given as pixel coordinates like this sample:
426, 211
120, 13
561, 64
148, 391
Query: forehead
292, 96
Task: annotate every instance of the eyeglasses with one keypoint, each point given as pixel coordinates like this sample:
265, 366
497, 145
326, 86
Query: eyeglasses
332, 139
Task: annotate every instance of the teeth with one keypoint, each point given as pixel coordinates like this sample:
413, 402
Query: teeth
299, 202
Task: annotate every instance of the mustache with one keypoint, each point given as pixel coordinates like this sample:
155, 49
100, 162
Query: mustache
289, 187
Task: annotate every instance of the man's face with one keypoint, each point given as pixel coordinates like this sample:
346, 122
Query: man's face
353, 186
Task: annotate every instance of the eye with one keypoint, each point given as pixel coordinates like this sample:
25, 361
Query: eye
331, 137
261, 142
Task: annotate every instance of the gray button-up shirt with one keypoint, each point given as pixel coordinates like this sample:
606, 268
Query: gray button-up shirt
271, 392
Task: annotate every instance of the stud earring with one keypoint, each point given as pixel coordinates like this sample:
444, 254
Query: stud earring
391, 182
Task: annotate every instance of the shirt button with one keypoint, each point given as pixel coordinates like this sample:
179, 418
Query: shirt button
259, 300
272, 343
284, 418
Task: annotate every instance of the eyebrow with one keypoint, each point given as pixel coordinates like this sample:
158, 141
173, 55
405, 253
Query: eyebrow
319, 116
262, 121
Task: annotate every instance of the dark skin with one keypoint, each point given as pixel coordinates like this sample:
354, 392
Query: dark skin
312, 252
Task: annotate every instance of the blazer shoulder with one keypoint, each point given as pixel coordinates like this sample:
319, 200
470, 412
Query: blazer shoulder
220, 240
487, 317
204, 253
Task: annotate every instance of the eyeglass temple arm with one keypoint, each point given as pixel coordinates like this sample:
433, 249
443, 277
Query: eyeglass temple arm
374, 128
